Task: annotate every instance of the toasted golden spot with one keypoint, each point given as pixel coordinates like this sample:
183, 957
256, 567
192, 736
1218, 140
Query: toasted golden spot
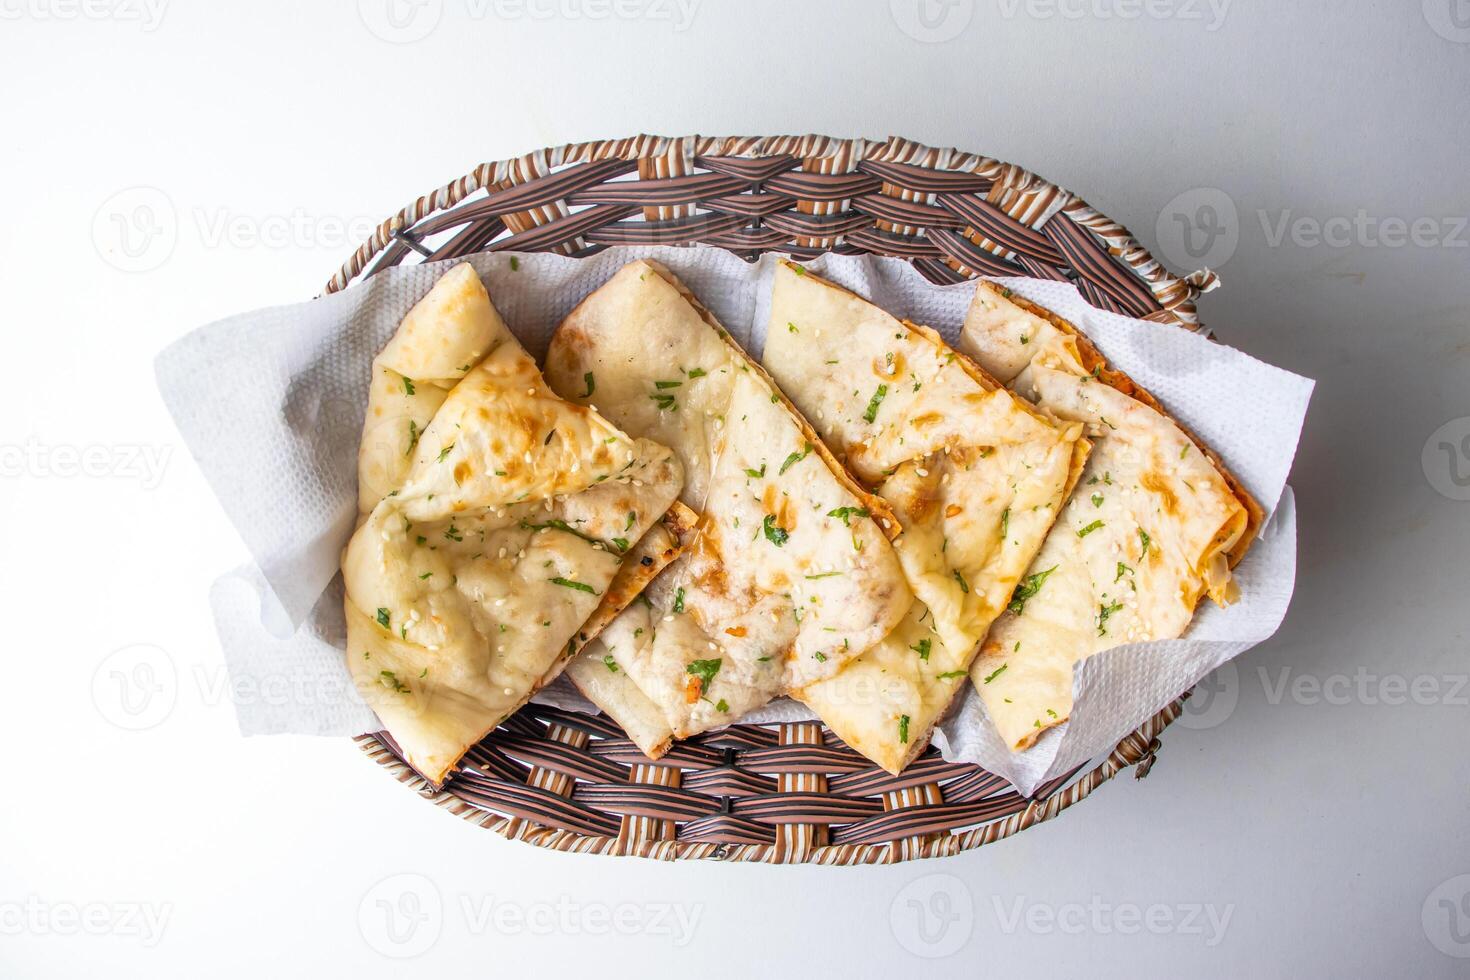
768, 497
953, 510
1154, 483
889, 368
926, 420
462, 470
920, 505
378, 410
736, 630
483, 412
601, 456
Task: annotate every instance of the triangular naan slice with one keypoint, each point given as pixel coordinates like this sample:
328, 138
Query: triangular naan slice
1154, 523
775, 592
467, 584
974, 475
594, 670
442, 337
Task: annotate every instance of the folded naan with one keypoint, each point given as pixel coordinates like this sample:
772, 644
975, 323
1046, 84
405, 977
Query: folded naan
1155, 522
790, 574
479, 562
974, 475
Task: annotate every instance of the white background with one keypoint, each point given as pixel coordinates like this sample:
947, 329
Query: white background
1314, 808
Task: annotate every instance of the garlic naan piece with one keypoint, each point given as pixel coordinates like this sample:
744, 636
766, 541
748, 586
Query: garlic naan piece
595, 671
1154, 523
973, 473
774, 593
468, 584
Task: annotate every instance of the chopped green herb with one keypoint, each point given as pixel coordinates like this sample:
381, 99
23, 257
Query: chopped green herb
903, 728
383, 617
1097, 500
721, 705
705, 670
813, 578
964, 586
1185, 451
792, 327
846, 513
591, 384
665, 403
1005, 522
696, 373
570, 584
515, 264
445, 452
620, 543
390, 680
821, 657
756, 474
774, 534
995, 673
425, 575
610, 663
795, 458
667, 384
1103, 612
679, 600
1028, 588
1145, 540
922, 648
951, 673
871, 413
413, 436
632, 517
1122, 570
453, 533
1084, 532
799, 270
408, 388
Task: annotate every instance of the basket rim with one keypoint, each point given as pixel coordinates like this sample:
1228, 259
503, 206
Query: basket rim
1178, 293
1174, 297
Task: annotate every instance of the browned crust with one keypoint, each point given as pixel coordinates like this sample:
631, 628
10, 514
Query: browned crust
876, 507
1093, 361
630, 581
681, 522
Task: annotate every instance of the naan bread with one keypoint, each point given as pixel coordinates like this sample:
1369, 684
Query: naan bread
974, 475
1154, 523
777, 591
469, 581
595, 671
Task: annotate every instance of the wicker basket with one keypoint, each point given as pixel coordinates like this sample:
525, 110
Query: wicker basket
781, 793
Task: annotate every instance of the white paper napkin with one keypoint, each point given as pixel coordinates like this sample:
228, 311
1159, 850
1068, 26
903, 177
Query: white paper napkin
271, 404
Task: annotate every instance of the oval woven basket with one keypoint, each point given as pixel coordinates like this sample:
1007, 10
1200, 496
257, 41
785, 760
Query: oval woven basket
780, 793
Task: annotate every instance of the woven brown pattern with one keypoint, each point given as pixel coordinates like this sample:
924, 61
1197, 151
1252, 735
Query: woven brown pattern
780, 793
